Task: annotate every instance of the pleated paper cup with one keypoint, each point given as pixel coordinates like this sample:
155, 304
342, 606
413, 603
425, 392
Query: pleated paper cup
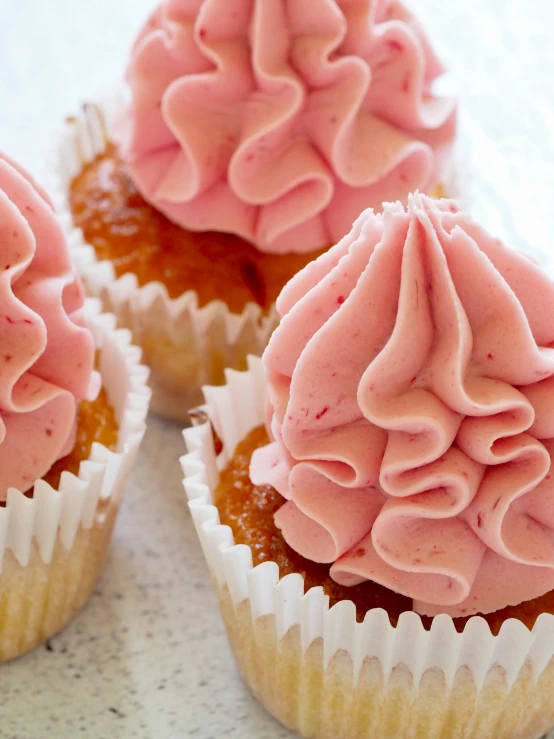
324, 675
185, 346
53, 545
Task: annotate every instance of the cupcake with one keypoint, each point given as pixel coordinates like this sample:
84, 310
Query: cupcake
73, 401
250, 137
390, 457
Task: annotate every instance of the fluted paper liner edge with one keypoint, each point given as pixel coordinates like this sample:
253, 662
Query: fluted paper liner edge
52, 514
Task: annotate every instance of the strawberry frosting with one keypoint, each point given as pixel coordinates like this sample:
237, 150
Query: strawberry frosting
46, 354
411, 403
280, 120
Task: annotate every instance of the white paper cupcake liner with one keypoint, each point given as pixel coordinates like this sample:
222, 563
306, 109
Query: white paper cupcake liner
185, 346
53, 544
325, 675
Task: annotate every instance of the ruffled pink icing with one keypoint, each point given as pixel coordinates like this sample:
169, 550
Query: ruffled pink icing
411, 388
46, 354
280, 120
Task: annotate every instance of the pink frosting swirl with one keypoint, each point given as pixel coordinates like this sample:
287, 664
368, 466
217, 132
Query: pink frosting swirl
46, 354
411, 388
280, 120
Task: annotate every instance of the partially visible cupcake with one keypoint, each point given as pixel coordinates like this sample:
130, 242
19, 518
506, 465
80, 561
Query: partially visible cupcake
403, 475
255, 134
73, 402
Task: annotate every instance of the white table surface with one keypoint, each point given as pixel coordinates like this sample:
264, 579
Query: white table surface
148, 656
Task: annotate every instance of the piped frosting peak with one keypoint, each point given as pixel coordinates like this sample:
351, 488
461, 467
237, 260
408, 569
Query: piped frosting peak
411, 390
280, 120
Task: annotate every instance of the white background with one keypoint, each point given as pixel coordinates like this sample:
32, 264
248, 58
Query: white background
148, 657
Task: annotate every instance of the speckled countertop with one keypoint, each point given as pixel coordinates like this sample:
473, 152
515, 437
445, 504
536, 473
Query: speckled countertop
148, 657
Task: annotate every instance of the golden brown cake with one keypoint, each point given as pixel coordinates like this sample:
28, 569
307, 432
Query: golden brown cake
96, 424
138, 239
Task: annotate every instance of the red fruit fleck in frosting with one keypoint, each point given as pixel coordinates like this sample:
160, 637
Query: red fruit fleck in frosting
442, 483
46, 353
280, 120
